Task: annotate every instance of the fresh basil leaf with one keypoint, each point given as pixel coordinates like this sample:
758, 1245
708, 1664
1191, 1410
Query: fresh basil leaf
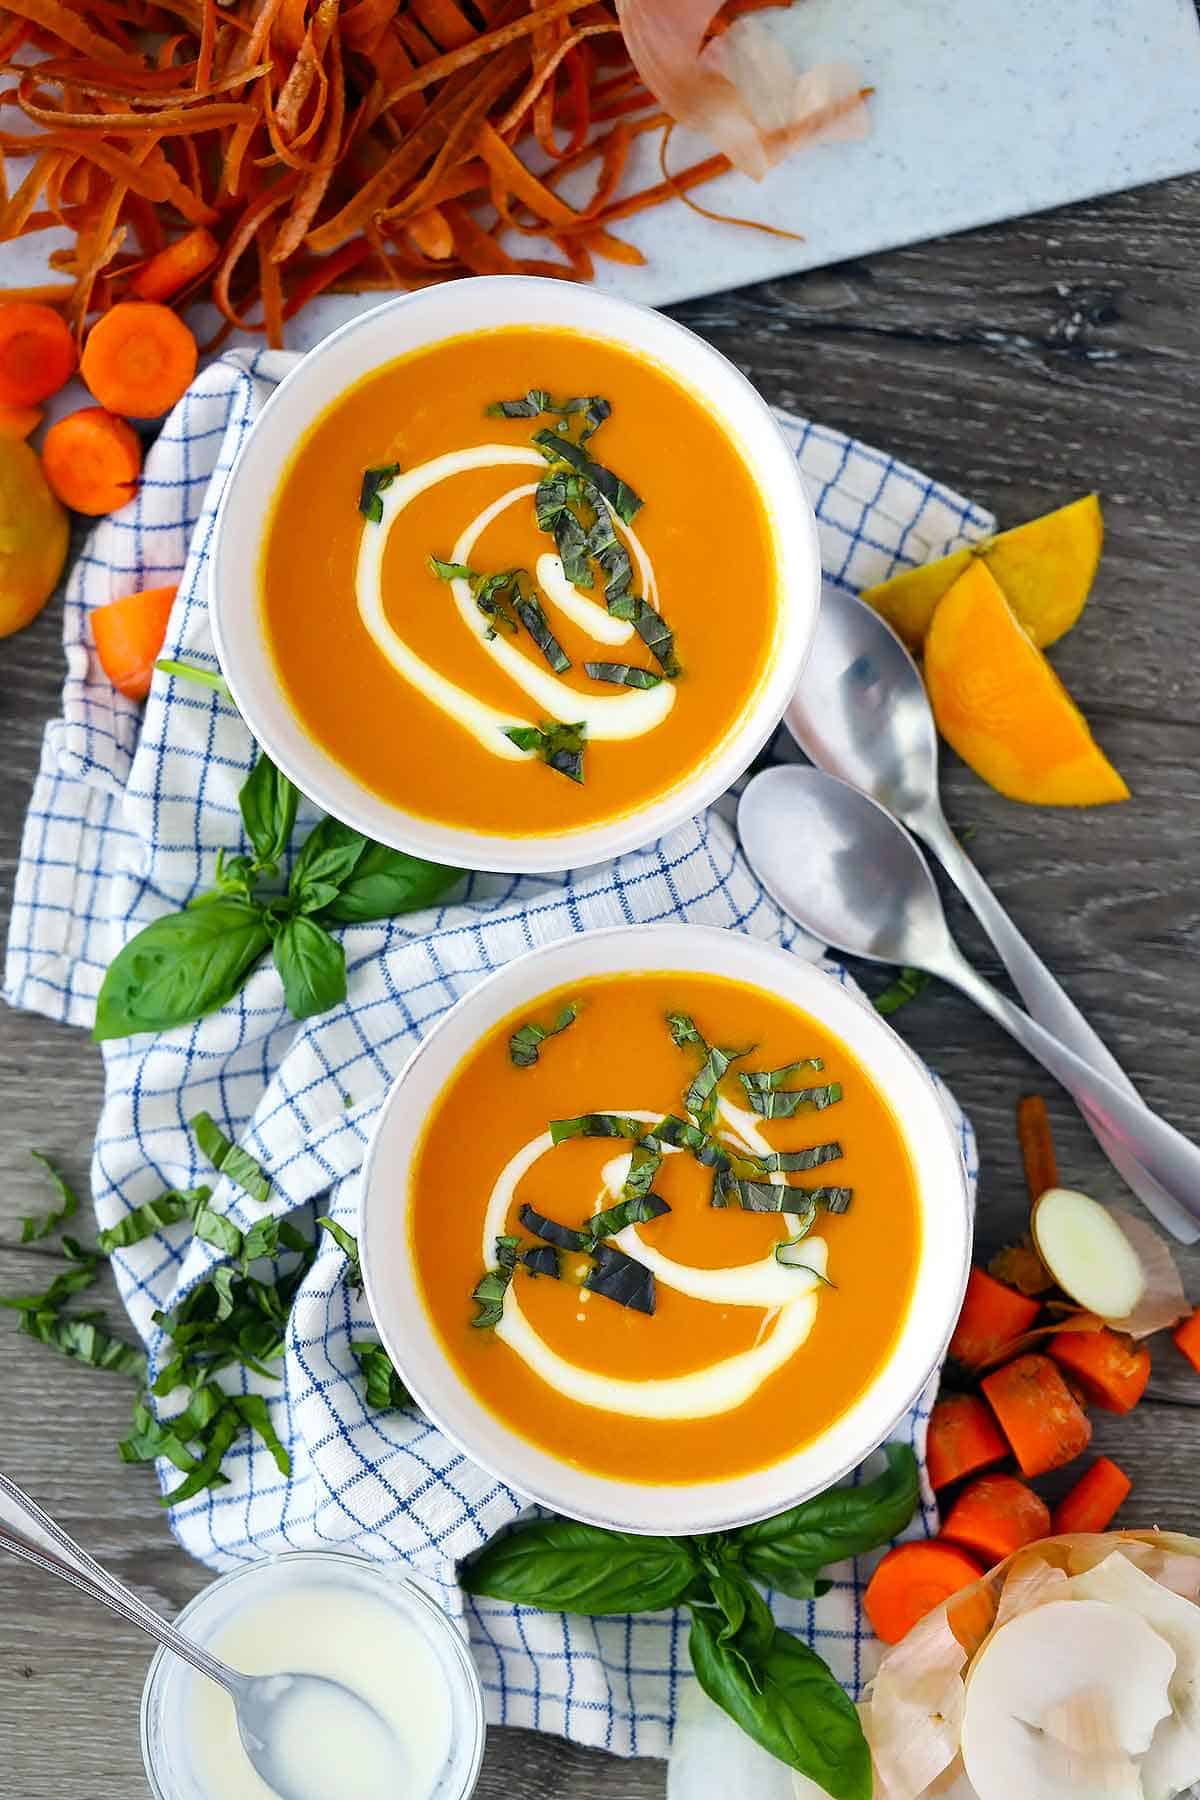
842, 1522
785, 1103
746, 1626
560, 746
526, 1040
222, 1284
564, 1566
348, 1246
331, 852
207, 1473
229, 1159
86, 1342
374, 481
253, 1411
311, 965
385, 1390
622, 674
268, 802
185, 671
37, 1226
615, 1276
384, 883
595, 1125
792, 1706
180, 968
907, 985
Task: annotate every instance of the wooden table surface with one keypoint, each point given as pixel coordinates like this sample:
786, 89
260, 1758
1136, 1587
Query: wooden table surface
1023, 365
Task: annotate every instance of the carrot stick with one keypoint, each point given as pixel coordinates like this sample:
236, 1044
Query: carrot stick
139, 359
1095, 1499
910, 1581
1186, 1338
176, 266
1037, 1146
995, 1516
37, 353
963, 1437
992, 1315
19, 421
128, 634
1038, 1414
1109, 1367
92, 461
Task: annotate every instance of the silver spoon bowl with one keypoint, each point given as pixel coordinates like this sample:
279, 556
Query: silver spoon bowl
844, 869
262, 1702
862, 713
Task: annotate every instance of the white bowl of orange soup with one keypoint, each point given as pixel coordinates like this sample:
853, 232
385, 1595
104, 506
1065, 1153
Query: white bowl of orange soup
514, 575
664, 1227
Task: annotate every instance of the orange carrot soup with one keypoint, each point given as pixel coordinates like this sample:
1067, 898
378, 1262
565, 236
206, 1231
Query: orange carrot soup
520, 582
692, 1283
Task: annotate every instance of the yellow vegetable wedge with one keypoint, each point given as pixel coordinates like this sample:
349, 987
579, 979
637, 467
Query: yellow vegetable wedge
1045, 567
998, 702
34, 531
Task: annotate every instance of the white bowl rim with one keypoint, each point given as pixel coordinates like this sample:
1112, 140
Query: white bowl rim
235, 612
411, 1340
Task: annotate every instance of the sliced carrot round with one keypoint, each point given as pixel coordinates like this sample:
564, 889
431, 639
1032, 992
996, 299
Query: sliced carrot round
37, 353
139, 359
92, 461
129, 635
910, 1581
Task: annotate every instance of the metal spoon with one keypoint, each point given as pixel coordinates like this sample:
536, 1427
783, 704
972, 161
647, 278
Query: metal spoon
849, 873
862, 713
259, 1700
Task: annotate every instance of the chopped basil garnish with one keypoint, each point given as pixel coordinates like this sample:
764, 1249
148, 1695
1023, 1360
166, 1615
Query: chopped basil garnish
536, 401
785, 1103
907, 985
685, 1136
373, 483
596, 1125
769, 1081
542, 1259
621, 674
38, 1226
236, 1164
348, 1246
777, 1162
635, 1210
489, 1291
618, 1277
768, 1196
385, 1390
564, 1237
619, 495
529, 610
797, 1262
559, 746
526, 1040
701, 1097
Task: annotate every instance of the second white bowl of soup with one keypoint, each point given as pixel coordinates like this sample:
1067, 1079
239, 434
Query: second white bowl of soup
514, 575
665, 1227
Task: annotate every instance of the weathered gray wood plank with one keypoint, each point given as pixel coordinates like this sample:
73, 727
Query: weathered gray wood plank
1023, 364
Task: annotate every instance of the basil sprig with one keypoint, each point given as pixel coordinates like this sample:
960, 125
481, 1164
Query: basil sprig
187, 964
778, 1690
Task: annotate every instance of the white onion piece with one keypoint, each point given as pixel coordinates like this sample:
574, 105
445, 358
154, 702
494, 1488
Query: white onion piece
1088, 1253
1028, 1676
1172, 1762
1030, 1582
913, 1716
1163, 1301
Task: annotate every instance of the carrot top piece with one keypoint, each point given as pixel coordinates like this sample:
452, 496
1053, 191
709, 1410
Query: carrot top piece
139, 359
1095, 1499
963, 1437
992, 1315
995, 1516
37, 353
92, 461
910, 1581
1110, 1368
1038, 1414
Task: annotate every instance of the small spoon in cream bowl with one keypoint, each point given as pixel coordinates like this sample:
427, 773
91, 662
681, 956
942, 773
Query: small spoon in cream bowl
282, 1720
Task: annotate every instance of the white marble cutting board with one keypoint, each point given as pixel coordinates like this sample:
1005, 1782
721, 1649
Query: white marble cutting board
983, 110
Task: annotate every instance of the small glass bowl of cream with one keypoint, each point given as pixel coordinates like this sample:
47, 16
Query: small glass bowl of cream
317, 1613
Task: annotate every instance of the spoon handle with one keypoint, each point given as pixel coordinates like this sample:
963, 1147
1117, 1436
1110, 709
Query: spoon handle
1113, 1114
1053, 1008
32, 1535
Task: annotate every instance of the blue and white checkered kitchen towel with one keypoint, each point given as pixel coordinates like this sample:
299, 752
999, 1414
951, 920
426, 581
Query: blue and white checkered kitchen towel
127, 814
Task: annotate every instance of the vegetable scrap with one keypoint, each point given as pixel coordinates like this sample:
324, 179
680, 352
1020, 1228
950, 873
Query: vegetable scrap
92, 461
138, 359
525, 1043
128, 634
256, 156
34, 534
773, 1686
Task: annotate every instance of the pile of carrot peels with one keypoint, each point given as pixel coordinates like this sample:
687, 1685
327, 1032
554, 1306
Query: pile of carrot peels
259, 152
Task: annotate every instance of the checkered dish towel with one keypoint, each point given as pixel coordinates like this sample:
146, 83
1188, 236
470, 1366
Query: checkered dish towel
127, 814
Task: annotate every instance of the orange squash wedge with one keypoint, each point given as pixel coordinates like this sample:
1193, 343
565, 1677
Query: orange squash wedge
1045, 567
998, 702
